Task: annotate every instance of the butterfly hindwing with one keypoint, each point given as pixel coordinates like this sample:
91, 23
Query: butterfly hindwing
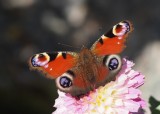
53, 64
113, 42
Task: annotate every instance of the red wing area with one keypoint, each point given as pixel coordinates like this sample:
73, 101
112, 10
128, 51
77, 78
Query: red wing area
103, 73
109, 46
113, 42
80, 82
53, 64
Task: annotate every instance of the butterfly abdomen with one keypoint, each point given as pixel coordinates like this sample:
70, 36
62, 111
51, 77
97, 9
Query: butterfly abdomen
88, 65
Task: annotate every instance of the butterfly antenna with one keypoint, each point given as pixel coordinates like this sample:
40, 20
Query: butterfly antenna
68, 45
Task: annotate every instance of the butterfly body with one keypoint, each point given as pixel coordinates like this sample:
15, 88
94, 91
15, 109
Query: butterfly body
79, 73
89, 64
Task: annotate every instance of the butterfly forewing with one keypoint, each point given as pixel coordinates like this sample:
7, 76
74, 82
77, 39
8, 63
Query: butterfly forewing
113, 41
54, 64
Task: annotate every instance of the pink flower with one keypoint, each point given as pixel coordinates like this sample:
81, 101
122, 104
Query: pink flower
117, 97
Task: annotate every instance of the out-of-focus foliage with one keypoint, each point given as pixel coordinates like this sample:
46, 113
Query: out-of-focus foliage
32, 26
154, 105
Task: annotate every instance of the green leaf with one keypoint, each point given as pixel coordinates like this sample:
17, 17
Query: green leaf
158, 107
154, 105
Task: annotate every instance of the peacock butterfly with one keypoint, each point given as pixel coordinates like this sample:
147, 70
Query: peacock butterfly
79, 73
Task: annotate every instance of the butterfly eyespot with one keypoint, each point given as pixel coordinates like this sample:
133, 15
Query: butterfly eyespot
64, 82
121, 28
113, 62
40, 60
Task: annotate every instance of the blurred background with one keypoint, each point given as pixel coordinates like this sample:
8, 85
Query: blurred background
33, 26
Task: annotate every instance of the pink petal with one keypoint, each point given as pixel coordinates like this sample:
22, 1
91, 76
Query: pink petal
133, 93
132, 106
121, 111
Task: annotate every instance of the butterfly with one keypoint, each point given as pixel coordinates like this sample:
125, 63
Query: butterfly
79, 73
